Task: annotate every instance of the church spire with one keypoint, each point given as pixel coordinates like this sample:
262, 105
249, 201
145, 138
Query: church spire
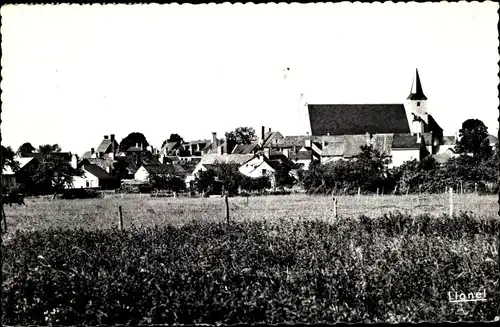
416, 92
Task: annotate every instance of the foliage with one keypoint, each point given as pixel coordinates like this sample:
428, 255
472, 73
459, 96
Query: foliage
166, 182
227, 175
26, 148
282, 177
80, 193
417, 177
473, 138
395, 268
242, 135
132, 139
258, 184
7, 157
52, 174
368, 171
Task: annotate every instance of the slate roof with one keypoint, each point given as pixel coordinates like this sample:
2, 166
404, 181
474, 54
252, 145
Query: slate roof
97, 171
355, 119
172, 169
433, 127
270, 137
245, 148
226, 158
134, 149
416, 92
103, 163
105, 144
408, 141
301, 155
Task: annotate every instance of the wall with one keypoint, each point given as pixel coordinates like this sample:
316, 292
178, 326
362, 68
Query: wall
81, 182
254, 168
401, 155
141, 174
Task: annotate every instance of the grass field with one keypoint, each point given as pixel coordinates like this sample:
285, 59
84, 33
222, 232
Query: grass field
144, 211
283, 259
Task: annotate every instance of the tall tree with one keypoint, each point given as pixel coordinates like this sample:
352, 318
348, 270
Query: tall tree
26, 148
473, 138
242, 135
8, 158
132, 139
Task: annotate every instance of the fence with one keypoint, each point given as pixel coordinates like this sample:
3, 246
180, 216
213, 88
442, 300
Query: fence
127, 210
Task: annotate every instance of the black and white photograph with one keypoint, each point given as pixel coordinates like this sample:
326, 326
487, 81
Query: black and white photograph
220, 164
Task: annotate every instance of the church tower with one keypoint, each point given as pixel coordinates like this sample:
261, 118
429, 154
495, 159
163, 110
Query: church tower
416, 106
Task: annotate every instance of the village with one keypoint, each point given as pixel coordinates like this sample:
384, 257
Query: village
399, 132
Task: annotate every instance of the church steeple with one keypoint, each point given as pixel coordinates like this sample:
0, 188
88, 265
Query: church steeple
416, 92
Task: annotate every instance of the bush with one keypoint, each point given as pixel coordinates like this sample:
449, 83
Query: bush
394, 268
80, 193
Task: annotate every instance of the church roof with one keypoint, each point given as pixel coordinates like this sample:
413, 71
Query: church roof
416, 92
349, 119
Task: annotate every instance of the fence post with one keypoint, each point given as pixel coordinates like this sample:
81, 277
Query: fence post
451, 201
359, 191
120, 222
475, 188
227, 209
334, 208
377, 191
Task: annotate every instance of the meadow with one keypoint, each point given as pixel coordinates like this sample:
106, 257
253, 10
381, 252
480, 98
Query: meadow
145, 211
282, 259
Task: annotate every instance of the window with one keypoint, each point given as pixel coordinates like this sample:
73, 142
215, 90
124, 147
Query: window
87, 182
264, 172
418, 104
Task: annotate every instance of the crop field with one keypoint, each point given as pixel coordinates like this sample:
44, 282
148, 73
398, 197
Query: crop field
281, 259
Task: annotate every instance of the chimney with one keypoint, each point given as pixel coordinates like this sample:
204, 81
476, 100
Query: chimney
92, 150
323, 143
109, 169
112, 138
307, 143
263, 133
367, 138
214, 142
74, 161
105, 137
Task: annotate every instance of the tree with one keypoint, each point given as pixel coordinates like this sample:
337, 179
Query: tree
132, 139
8, 158
241, 135
473, 138
173, 138
26, 148
53, 172
282, 177
166, 182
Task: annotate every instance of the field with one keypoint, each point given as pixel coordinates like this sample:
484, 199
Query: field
282, 259
144, 211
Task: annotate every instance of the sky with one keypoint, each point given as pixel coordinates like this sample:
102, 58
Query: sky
74, 73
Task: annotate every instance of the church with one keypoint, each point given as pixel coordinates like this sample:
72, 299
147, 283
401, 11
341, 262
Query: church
402, 131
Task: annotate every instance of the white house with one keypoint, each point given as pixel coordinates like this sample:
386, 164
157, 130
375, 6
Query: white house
257, 167
94, 176
142, 174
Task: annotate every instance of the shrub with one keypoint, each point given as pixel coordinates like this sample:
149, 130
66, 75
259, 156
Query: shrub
80, 193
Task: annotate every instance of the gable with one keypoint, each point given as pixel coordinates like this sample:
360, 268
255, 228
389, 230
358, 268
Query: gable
351, 119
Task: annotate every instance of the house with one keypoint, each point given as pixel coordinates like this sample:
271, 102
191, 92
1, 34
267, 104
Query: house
407, 147
94, 176
246, 148
269, 138
142, 174
107, 148
411, 117
256, 167
215, 159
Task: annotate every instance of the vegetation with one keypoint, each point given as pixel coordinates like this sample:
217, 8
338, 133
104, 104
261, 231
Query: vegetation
166, 182
395, 268
26, 148
132, 139
173, 138
241, 135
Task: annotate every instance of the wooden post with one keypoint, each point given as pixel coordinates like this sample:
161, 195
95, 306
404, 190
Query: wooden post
4, 218
461, 187
377, 191
359, 191
475, 188
334, 208
451, 201
120, 221
227, 209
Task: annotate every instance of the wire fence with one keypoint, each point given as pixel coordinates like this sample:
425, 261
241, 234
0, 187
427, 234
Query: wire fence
142, 210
